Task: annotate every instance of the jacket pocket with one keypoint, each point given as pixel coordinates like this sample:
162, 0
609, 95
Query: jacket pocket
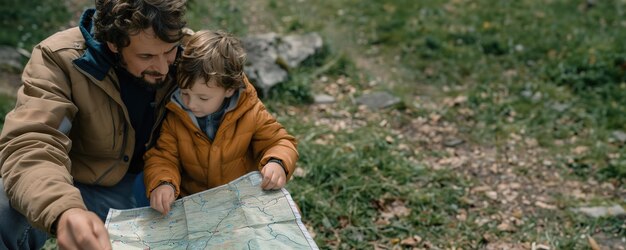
95, 134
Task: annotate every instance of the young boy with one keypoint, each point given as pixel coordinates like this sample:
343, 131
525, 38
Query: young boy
217, 129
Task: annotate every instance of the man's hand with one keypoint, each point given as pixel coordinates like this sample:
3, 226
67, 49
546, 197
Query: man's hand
162, 197
274, 176
80, 229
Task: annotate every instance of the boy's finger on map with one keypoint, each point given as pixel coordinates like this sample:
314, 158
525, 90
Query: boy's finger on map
165, 206
265, 182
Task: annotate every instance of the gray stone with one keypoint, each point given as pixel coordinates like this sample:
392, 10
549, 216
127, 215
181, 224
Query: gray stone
294, 49
261, 67
270, 56
10, 59
453, 142
619, 135
560, 107
378, 100
597, 212
9, 83
323, 99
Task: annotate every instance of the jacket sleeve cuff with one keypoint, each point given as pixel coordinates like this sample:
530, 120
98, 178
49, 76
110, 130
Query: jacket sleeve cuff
176, 193
280, 162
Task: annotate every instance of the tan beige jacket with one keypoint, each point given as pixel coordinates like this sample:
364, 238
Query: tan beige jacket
69, 124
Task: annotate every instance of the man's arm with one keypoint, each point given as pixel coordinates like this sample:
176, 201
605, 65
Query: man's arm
34, 144
81, 229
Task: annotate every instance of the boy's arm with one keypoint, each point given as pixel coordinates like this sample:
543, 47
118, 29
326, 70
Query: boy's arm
161, 161
272, 142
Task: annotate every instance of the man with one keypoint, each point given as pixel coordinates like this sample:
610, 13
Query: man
91, 103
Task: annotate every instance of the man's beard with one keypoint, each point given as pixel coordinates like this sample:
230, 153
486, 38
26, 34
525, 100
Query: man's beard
141, 80
158, 84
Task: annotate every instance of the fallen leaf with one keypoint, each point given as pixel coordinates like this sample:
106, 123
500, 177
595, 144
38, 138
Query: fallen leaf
399, 209
410, 241
545, 205
488, 237
382, 222
434, 117
580, 150
481, 221
506, 227
592, 243
389, 140
517, 213
536, 246
492, 195
480, 189
462, 215
299, 172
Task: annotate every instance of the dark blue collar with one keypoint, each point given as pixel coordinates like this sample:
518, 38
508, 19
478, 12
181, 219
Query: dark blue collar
97, 59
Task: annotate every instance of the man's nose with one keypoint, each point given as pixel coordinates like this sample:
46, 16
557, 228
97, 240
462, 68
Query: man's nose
162, 65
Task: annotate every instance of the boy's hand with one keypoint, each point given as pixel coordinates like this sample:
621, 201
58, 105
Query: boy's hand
162, 197
274, 176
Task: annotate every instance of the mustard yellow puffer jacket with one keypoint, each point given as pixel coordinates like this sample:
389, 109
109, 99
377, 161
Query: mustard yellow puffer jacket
246, 139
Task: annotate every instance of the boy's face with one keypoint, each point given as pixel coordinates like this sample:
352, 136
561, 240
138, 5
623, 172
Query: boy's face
147, 57
204, 100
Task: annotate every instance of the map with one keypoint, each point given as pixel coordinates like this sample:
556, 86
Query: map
238, 215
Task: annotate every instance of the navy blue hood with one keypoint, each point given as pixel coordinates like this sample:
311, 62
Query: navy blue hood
98, 59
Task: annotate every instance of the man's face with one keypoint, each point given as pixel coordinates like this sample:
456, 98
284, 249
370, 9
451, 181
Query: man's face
147, 57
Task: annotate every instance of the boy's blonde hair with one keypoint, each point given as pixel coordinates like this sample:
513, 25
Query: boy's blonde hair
213, 56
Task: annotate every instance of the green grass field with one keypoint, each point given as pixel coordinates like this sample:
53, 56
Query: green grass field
535, 89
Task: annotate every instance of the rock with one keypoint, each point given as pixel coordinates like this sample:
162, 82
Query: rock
261, 67
560, 107
9, 83
619, 135
323, 99
270, 56
378, 100
10, 60
597, 212
453, 142
294, 49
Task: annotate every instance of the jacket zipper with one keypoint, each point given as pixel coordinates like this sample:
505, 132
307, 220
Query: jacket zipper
124, 142
119, 157
124, 135
114, 129
110, 110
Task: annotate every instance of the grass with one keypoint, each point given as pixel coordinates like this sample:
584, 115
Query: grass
26, 22
550, 71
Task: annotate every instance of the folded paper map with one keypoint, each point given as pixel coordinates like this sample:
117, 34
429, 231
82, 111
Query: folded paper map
238, 215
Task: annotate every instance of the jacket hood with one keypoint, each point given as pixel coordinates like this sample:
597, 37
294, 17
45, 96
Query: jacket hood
243, 100
178, 100
97, 59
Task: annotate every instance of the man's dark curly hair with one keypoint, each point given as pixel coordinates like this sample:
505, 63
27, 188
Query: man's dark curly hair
116, 20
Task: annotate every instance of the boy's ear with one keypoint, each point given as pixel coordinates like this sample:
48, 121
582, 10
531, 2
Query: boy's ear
230, 92
112, 47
